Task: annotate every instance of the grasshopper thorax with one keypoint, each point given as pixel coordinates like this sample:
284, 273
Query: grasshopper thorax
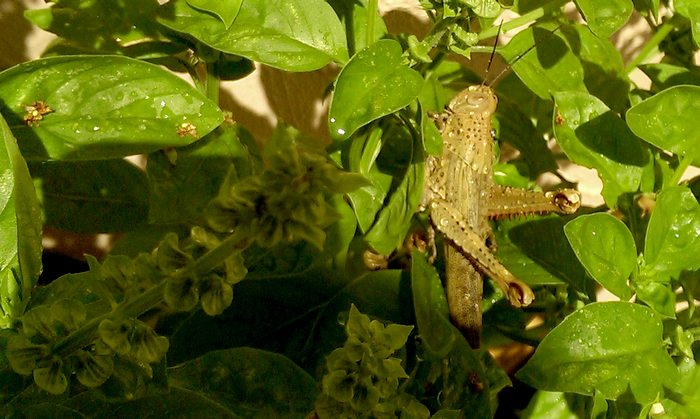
475, 99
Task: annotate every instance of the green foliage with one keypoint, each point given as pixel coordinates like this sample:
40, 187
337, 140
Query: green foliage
243, 285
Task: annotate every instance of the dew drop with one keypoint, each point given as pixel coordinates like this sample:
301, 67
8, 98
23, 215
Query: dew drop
95, 128
340, 131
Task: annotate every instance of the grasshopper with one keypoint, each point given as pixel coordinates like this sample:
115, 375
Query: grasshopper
461, 197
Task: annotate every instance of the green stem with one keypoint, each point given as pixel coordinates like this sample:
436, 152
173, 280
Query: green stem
524, 19
152, 297
680, 170
372, 10
650, 47
211, 83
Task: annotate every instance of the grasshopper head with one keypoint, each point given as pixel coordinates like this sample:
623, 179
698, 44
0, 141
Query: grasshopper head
475, 100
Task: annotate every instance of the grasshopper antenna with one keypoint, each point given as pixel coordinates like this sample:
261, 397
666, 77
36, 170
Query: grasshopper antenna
510, 65
495, 44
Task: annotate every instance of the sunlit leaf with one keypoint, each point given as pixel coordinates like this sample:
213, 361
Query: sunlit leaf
100, 107
607, 347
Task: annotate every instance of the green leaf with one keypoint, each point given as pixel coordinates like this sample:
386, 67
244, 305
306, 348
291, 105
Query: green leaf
691, 10
20, 231
657, 295
374, 83
249, 382
551, 66
180, 190
606, 248
689, 384
592, 135
102, 107
356, 19
368, 200
605, 17
226, 10
537, 252
292, 35
393, 221
176, 401
610, 347
556, 405
104, 25
430, 305
667, 120
665, 75
672, 242
93, 196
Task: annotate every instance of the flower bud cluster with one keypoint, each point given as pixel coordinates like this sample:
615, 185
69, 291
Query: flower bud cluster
30, 351
362, 378
286, 202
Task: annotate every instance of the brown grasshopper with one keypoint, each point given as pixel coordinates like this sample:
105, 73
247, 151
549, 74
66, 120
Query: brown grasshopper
461, 196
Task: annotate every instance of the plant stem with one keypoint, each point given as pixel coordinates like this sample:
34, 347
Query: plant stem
211, 83
680, 170
152, 297
372, 10
523, 20
649, 47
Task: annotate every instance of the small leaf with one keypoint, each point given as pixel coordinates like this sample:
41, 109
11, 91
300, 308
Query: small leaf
374, 83
277, 33
608, 347
605, 18
672, 242
667, 120
93, 196
393, 221
20, 230
102, 107
691, 10
180, 192
250, 382
551, 66
658, 296
368, 200
430, 305
226, 10
592, 135
606, 248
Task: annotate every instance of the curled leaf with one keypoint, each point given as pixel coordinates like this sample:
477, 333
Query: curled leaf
181, 293
169, 257
51, 378
340, 385
216, 295
147, 346
93, 369
39, 320
24, 355
69, 313
115, 334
